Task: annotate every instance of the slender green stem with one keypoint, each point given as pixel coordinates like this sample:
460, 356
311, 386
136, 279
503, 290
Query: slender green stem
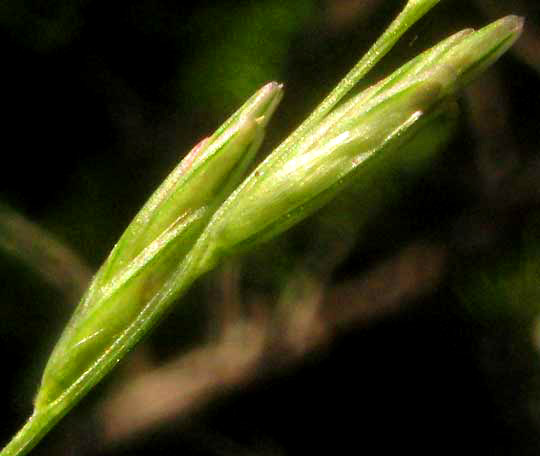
45, 418
413, 11
33, 431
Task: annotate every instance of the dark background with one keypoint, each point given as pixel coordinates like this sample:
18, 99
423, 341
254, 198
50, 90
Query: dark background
101, 99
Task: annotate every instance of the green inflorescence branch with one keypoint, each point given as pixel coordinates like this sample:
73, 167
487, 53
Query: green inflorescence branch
205, 211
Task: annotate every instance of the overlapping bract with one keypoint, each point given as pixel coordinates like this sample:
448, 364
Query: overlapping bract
189, 224
295, 181
204, 212
156, 241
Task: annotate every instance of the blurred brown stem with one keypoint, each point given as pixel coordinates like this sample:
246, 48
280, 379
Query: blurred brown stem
51, 259
257, 345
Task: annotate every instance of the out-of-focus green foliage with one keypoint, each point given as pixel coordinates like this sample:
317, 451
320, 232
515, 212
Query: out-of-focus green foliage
237, 53
505, 288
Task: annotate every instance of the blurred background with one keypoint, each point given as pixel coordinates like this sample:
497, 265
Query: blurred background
404, 316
